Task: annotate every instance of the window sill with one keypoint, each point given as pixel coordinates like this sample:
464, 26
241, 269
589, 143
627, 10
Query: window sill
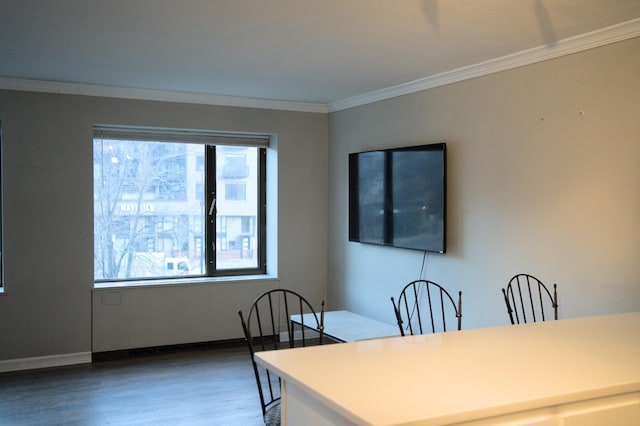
185, 282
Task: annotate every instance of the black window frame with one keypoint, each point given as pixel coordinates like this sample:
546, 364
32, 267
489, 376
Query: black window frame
210, 140
211, 229
1, 217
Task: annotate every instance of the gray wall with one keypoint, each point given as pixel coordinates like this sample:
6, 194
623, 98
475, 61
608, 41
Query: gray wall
534, 186
543, 178
49, 306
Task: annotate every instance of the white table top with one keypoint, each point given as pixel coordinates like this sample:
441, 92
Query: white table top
348, 327
462, 375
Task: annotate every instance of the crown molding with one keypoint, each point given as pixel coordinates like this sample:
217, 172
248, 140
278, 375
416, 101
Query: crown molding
612, 34
45, 86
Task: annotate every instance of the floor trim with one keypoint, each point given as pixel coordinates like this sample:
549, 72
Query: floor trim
89, 357
156, 350
44, 361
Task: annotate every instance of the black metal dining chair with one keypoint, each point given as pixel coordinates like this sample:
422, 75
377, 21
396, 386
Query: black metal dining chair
267, 326
528, 300
424, 307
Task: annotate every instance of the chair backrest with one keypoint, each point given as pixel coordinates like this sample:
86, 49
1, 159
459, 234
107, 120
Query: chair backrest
424, 307
529, 300
267, 326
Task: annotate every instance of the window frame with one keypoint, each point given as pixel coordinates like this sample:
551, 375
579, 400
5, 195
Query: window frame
210, 140
1, 216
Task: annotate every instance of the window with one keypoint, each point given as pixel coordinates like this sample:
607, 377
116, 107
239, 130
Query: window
175, 203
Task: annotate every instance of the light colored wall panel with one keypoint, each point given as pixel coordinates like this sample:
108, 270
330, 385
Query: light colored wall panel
543, 177
48, 308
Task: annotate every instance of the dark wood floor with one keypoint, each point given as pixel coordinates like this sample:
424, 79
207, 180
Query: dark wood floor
196, 386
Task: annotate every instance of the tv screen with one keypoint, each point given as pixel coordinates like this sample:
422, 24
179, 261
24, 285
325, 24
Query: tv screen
397, 197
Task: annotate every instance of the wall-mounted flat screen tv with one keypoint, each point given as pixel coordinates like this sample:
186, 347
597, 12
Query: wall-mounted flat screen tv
397, 197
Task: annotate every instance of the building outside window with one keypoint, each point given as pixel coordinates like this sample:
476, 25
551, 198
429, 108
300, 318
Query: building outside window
175, 204
236, 191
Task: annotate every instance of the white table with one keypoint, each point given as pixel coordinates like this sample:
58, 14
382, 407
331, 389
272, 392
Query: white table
583, 372
345, 326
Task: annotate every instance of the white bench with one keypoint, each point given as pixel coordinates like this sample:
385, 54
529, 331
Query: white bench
345, 326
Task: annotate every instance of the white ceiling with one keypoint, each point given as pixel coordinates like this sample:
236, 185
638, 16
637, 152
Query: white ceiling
321, 52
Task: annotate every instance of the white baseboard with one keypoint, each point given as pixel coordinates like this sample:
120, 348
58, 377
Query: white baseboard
44, 361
